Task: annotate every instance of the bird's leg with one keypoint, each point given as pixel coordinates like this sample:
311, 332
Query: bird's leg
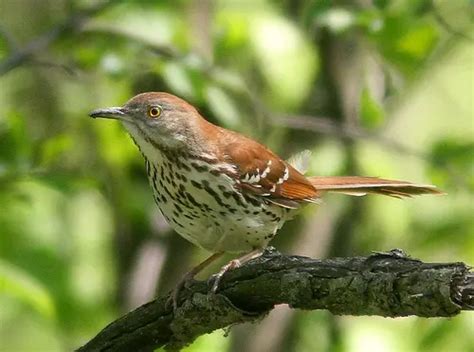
235, 263
190, 276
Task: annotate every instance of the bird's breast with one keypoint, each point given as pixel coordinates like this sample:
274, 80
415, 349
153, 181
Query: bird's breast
202, 202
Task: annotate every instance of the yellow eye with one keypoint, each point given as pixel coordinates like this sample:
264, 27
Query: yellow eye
154, 111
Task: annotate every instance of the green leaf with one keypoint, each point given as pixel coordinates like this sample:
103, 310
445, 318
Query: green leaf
417, 42
287, 60
178, 79
450, 156
405, 41
337, 20
15, 144
222, 106
3, 47
381, 4
20, 285
371, 112
54, 147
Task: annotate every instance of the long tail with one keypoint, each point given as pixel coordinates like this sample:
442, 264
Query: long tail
360, 186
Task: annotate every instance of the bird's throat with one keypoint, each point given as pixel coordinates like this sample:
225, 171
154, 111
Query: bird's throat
150, 145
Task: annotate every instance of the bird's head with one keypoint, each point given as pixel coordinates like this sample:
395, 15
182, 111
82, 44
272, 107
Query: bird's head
158, 118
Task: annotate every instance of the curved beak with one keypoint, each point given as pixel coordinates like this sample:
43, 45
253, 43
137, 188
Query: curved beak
117, 113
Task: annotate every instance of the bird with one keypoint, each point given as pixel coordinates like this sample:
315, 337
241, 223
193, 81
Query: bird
220, 190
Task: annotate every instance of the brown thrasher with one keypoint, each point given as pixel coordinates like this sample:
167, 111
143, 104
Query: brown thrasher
221, 190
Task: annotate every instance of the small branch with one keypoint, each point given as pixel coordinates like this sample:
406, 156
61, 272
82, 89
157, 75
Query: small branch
9, 39
446, 25
385, 284
72, 23
327, 126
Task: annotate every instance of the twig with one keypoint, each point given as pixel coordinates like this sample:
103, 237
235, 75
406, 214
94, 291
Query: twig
328, 126
9, 39
447, 26
72, 23
385, 284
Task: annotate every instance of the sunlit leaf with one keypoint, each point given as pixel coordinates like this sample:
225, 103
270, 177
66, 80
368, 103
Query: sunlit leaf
154, 22
405, 41
286, 58
179, 79
418, 41
54, 147
115, 146
222, 106
215, 341
337, 19
20, 285
228, 79
235, 31
112, 64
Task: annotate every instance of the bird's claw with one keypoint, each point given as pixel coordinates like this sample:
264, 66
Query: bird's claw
173, 299
211, 282
216, 278
186, 281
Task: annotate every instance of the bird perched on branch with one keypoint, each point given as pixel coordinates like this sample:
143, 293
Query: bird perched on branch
220, 190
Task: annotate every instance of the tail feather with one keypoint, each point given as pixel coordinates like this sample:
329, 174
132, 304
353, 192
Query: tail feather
360, 186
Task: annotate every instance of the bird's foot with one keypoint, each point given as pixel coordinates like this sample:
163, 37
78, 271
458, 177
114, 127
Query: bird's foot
187, 279
233, 264
216, 278
185, 282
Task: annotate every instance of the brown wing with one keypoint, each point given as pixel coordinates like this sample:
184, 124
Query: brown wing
263, 173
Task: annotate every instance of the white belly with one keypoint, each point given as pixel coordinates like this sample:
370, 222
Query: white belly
207, 209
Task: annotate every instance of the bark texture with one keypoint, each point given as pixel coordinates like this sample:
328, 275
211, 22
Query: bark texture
386, 284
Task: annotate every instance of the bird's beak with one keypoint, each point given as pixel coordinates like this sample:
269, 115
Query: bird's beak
117, 113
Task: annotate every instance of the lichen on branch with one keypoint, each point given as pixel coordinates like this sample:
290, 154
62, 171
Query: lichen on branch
385, 284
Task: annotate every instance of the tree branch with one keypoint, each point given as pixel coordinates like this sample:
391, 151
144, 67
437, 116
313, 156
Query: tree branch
385, 284
71, 24
446, 25
327, 126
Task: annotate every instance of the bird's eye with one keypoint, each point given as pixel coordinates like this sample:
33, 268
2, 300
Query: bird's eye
154, 111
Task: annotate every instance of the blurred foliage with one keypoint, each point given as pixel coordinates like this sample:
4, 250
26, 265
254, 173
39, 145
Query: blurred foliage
388, 85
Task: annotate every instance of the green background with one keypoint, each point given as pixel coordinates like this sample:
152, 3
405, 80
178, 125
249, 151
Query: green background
381, 88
